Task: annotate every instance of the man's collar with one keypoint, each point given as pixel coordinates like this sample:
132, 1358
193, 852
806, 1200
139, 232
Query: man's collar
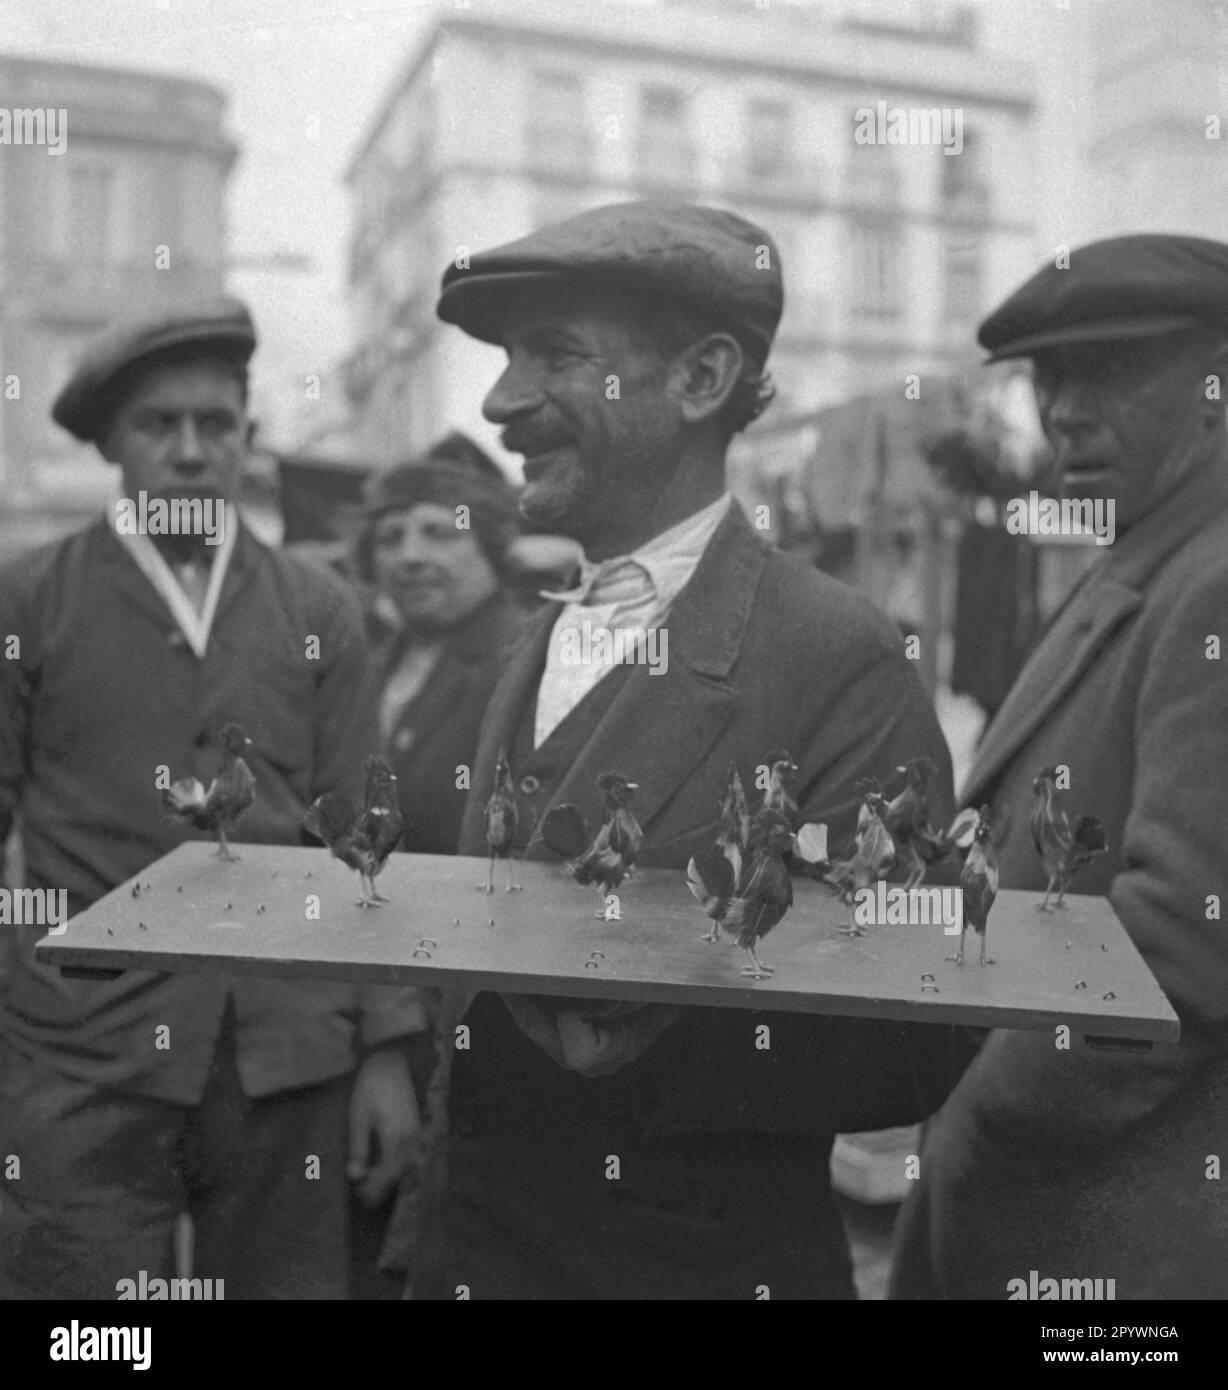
1188, 508
142, 552
660, 558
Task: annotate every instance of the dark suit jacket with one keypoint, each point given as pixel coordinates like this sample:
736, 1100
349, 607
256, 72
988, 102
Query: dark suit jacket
437, 732
104, 691
723, 1147
1087, 1163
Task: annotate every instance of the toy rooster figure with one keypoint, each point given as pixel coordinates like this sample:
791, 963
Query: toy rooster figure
907, 817
361, 839
735, 822
610, 855
778, 797
1064, 849
978, 881
501, 818
749, 904
873, 856
231, 792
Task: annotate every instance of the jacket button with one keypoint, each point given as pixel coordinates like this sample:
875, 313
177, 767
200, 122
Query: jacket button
528, 785
201, 740
176, 639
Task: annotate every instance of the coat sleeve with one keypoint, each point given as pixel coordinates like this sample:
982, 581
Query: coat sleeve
1029, 1097
347, 732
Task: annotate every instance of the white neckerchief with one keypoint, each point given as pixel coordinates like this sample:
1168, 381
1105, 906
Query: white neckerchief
194, 626
641, 587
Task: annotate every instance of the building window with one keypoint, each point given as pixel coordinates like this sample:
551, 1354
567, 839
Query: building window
557, 135
91, 193
872, 177
769, 140
964, 191
875, 269
666, 154
962, 284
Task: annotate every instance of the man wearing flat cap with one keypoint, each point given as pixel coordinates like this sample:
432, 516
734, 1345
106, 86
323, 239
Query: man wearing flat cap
133, 1099
1077, 1162
636, 338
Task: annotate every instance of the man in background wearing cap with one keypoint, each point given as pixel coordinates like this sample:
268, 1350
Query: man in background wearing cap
636, 338
1077, 1162
135, 651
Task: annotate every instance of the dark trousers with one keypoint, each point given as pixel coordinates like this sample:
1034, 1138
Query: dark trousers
104, 1176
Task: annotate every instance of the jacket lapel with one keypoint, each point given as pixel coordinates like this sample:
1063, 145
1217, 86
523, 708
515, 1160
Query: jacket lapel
1110, 596
1054, 669
124, 578
657, 729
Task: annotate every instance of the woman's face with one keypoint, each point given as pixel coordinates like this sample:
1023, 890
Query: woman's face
432, 567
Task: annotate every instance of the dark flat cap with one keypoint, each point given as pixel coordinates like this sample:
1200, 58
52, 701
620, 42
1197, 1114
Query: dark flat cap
706, 258
1127, 287
83, 407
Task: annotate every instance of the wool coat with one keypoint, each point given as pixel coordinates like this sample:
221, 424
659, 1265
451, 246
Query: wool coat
1086, 1163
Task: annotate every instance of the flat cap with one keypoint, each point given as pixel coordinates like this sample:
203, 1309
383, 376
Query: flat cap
84, 405
1127, 287
706, 258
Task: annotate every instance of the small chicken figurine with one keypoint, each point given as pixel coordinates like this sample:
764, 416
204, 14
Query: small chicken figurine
361, 839
231, 792
501, 819
908, 816
746, 905
873, 856
734, 834
1064, 849
607, 857
978, 880
778, 797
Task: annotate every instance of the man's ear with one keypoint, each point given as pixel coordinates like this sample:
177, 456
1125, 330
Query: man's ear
708, 373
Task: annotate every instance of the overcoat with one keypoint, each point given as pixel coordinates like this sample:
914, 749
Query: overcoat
437, 731
722, 1146
1086, 1163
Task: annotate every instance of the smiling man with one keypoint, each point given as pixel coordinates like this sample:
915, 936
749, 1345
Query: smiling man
636, 338
1075, 1161
130, 1100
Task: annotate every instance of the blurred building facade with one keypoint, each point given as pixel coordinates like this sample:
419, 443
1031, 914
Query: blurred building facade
1157, 143
509, 116
129, 216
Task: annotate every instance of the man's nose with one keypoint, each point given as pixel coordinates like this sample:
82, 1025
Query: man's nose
515, 393
189, 450
1072, 409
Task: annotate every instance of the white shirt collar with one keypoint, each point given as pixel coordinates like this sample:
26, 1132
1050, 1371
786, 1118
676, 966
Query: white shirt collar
195, 626
668, 559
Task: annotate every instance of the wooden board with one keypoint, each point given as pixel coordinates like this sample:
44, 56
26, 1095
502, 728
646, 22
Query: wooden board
197, 913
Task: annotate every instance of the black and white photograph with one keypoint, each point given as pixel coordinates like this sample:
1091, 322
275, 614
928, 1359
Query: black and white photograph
611, 674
